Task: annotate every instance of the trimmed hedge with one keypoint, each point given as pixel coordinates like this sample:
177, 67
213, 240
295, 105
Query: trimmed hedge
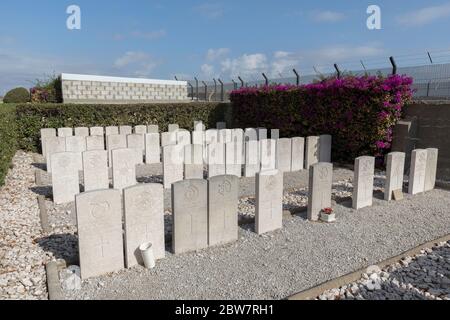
17, 95
8, 139
32, 117
359, 112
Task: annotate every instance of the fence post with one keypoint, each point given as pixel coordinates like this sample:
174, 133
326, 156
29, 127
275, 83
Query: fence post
265, 78
215, 89
429, 57
234, 84
222, 94
242, 81
297, 76
394, 65
206, 90
338, 71
196, 88
192, 91
428, 88
176, 78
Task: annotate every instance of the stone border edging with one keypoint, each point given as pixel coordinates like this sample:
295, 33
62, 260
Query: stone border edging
314, 292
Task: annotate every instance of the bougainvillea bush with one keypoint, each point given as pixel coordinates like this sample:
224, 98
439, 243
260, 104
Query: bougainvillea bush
359, 112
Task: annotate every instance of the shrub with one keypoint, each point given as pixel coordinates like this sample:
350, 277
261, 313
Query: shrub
17, 95
47, 91
32, 117
8, 139
359, 112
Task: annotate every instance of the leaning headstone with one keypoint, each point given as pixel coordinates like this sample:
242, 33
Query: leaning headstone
183, 137
144, 221
97, 131
234, 158
252, 161
363, 182
221, 125
319, 191
168, 139
137, 143
431, 169
394, 174
46, 133
312, 151
173, 157
99, 225
325, 142
140, 130
216, 159
269, 201
152, 148
76, 144
417, 171
124, 163
174, 127
284, 155
82, 132
298, 154
65, 178
112, 130
153, 128
193, 161
53, 145
190, 216
65, 132
223, 209
125, 130
95, 143
95, 170
115, 141
268, 156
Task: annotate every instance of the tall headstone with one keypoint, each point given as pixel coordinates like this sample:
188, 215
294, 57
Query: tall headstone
394, 174
95, 143
140, 130
269, 201
190, 215
112, 130
99, 225
174, 127
252, 161
431, 169
152, 148
46, 133
137, 143
124, 163
168, 139
125, 130
65, 178
325, 142
284, 155
417, 171
76, 144
234, 158
216, 159
268, 156
115, 141
183, 137
82, 132
221, 125
65, 132
298, 154
363, 182
95, 170
223, 209
312, 151
193, 161
319, 191
153, 128
97, 131
53, 145
173, 158
144, 221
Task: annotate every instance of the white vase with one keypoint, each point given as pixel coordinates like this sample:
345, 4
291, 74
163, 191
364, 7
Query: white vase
328, 217
147, 255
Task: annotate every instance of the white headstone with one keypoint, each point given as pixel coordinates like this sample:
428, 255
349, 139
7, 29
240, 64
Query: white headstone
394, 174
82, 132
65, 178
234, 158
417, 171
198, 137
193, 161
125, 130
284, 155
225, 135
95, 170
183, 137
319, 191
250, 134
152, 148
216, 159
221, 125
298, 154
262, 133
95, 143
65, 132
269, 201
112, 130
113, 142
268, 156
199, 126
140, 130
363, 182
325, 142
312, 151
53, 145
211, 136
46, 133
252, 162
97, 131
153, 128
124, 163
431, 169
100, 239
144, 221
168, 139
275, 134
76, 144
174, 127
173, 158
137, 143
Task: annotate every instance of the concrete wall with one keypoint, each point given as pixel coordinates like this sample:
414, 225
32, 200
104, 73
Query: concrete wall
426, 125
98, 89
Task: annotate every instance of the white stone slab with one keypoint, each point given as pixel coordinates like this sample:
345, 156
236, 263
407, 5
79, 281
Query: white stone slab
394, 174
211, 136
76, 144
325, 142
363, 182
262, 133
125, 130
193, 161
216, 159
95, 170
269, 201
46, 133
298, 154
112, 130
311, 151
417, 171
153, 128
268, 156
140, 130
65, 132
234, 158
113, 142
82, 132
152, 148
137, 143
97, 131
124, 163
173, 167
431, 169
199, 126
225, 135
250, 134
198, 137
53, 145
252, 162
168, 139
183, 137
95, 143
174, 127
319, 191
284, 155
65, 178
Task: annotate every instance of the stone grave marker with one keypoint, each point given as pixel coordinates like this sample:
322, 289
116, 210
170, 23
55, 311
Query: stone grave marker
152, 148
95, 143
95, 170
262, 133
46, 133
431, 169
140, 130
124, 163
65, 178
112, 130
325, 142
153, 128
190, 216
99, 225
193, 161
65, 132
394, 174
284, 155
198, 137
53, 145
233, 158
298, 154
223, 209
115, 141
221, 125
269, 201
363, 182
216, 159
250, 134
225, 135
268, 156
417, 171
173, 167
144, 221
137, 143
199, 126
183, 137
168, 139
319, 191
82, 132
252, 161
211, 136
275, 134
97, 131
76, 144
174, 127
312, 151
125, 130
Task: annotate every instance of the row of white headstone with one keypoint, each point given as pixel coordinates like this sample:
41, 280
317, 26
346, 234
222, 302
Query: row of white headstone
205, 213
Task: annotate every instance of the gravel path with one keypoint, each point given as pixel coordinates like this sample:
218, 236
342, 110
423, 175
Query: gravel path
425, 276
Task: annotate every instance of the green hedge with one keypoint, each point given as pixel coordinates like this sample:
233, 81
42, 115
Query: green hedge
8, 139
32, 117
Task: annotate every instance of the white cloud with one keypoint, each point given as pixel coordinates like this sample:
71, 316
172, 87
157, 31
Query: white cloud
210, 10
139, 63
245, 65
284, 62
215, 54
207, 71
149, 35
327, 16
425, 15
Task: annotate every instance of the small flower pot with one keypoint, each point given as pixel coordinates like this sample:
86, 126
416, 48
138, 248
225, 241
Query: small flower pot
147, 255
328, 217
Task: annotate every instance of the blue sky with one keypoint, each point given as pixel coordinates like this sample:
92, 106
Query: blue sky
160, 39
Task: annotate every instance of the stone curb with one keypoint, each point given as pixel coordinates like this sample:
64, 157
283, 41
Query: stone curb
314, 292
53, 284
43, 214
